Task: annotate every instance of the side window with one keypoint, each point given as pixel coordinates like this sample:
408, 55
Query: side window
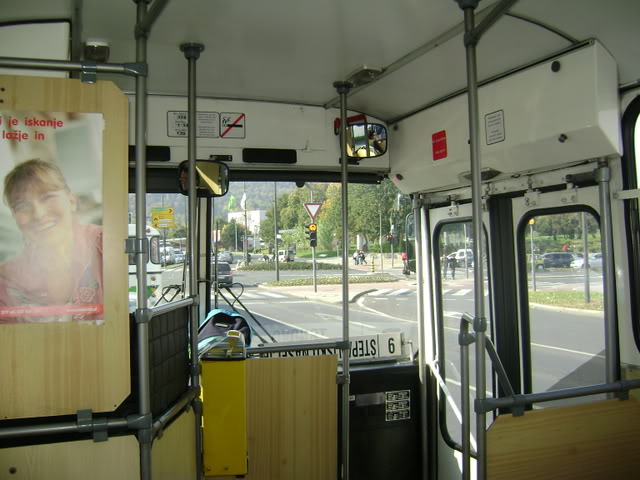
565, 313
457, 294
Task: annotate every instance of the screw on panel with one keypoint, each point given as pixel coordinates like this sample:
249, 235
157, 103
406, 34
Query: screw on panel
562, 138
555, 66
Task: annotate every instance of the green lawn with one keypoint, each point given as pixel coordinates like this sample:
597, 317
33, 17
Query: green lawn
567, 299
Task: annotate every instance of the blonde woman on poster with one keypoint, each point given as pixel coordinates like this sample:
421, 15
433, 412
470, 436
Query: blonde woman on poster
58, 274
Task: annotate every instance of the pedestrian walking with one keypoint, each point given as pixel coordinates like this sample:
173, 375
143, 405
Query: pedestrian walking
444, 261
452, 267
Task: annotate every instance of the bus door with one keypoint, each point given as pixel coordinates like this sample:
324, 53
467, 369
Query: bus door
451, 238
557, 240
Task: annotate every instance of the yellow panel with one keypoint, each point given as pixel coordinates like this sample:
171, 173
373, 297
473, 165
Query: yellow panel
592, 441
224, 390
59, 368
174, 454
119, 457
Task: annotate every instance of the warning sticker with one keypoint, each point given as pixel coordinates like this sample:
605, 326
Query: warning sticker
207, 124
494, 127
232, 125
439, 144
397, 405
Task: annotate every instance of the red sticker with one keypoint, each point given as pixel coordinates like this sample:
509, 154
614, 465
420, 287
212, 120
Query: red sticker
439, 144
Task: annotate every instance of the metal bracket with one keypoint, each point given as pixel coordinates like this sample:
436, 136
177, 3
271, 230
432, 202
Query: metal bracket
342, 379
139, 422
466, 339
136, 245
570, 195
532, 198
454, 209
98, 427
343, 345
143, 315
627, 194
480, 324
89, 73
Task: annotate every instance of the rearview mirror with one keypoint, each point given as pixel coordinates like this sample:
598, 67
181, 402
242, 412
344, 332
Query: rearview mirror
366, 140
212, 178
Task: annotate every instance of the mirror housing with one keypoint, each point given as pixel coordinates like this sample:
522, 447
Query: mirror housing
212, 179
366, 140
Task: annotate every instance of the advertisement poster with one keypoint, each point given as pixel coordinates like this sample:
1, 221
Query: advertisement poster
51, 267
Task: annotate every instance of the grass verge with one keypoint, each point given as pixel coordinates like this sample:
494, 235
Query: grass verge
257, 266
298, 282
567, 299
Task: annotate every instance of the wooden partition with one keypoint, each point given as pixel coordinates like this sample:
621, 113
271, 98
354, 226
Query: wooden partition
291, 418
173, 455
118, 458
592, 441
58, 368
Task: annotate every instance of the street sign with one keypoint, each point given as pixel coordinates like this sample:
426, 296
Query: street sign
312, 209
162, 217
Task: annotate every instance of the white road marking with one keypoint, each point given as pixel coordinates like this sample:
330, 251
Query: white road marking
272, 295
462, 292
294, 327
360, 303
399, 292
380, 292
362, 325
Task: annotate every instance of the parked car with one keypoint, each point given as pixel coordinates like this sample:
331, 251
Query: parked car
538, 261
225, 275
595, 260
225, 257
180, 256
558, 259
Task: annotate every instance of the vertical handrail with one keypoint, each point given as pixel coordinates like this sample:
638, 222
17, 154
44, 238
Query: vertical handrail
464, 340
192, 53
603, 177
471, 38
423, 283
343, 89
142, 325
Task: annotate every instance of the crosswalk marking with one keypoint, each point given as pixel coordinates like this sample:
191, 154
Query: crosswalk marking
399, 292
462, 292
383, 291
272, 295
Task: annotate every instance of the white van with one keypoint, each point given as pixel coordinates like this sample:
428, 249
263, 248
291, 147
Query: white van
285, 256
460, 256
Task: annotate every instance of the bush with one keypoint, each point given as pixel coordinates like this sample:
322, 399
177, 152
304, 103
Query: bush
258, 266
298, 282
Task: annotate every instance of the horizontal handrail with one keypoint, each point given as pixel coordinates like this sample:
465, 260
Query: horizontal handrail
522, 400
58, 428
132, 69
170, 307
297, 347
173, 411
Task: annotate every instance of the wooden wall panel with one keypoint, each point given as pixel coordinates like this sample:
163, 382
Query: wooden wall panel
59, 368
117, 458
591, 441
291, 418
173, 455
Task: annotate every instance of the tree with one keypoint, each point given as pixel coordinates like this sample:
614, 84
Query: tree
228, 235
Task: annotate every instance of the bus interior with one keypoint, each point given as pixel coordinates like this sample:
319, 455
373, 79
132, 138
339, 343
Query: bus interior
426, 214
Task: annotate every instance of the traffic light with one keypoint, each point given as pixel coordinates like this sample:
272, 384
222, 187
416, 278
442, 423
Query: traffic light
312, 234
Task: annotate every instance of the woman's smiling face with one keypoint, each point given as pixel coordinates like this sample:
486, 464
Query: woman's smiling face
44, 216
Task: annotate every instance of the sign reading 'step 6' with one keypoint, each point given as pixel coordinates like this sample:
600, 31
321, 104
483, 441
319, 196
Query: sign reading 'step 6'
383, 346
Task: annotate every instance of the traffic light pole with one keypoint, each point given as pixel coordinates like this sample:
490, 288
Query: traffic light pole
313, 256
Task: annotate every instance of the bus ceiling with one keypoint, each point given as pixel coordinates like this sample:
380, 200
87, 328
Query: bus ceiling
292, 52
